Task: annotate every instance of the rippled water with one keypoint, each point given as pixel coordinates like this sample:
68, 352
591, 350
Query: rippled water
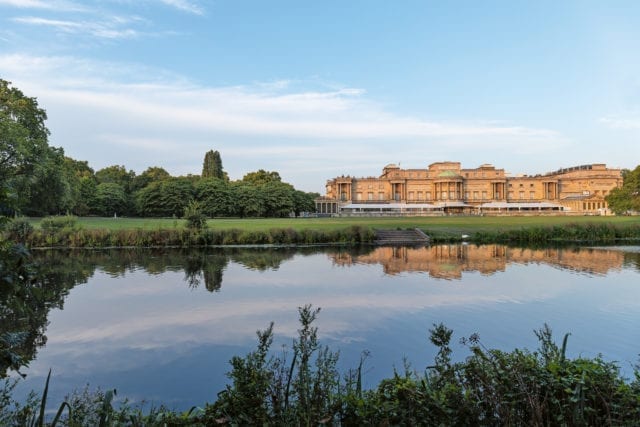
162, 325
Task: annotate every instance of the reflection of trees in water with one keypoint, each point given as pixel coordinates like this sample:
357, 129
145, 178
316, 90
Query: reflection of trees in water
632, 259
51, 274
262, 259
28, 291
201, 266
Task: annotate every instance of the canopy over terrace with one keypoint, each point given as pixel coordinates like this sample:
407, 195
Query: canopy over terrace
520, 207
456, 207
390, 209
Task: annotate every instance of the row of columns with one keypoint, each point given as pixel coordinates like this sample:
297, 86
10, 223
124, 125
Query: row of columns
328, 207
399, 191
447, 188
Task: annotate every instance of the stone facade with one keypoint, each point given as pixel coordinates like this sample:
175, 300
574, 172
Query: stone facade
448, 186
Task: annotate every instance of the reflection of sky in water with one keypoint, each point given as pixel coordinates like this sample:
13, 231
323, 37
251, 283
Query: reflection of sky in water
153, 337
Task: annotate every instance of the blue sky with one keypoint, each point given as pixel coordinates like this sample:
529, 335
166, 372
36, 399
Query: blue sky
318, 89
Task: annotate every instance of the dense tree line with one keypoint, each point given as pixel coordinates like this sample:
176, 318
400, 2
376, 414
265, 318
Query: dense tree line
37, 179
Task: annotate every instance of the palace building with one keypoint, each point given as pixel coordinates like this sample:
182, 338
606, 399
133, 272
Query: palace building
446, 188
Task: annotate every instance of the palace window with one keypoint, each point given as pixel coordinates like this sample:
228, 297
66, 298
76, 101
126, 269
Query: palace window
419, 195
370, 195
475, 195
521, 194
358, 196
532, 194
428, 195
452, 195
484, 195
466, 195
381, 196
410, 195
444, 195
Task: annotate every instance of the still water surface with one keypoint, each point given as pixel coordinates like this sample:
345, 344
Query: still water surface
162, 325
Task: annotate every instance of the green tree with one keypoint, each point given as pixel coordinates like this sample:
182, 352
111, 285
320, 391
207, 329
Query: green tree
278, 198
248, 200
212, 166
82, 185
215, 196
51, 189
87, 199
151, 174
627, 197
165, 198
304, 202
110, 199
261, 177
23, 141
116, 174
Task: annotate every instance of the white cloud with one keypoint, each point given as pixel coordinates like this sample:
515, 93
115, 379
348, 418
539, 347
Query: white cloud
169, 121
45, 5
629, 121
114, 28
185, 6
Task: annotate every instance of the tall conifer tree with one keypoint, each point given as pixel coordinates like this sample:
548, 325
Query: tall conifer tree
212, 166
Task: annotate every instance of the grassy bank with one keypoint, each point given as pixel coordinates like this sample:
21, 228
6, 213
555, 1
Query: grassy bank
302, 386
181, 237
452, 224
145, 232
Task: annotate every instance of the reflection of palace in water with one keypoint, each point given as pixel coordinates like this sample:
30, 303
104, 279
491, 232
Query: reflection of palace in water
450, 261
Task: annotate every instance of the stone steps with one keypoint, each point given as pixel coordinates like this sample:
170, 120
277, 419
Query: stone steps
401, 237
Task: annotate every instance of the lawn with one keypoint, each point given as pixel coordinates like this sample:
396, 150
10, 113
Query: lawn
453, 224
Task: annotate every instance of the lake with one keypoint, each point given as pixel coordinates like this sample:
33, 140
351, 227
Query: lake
161, 325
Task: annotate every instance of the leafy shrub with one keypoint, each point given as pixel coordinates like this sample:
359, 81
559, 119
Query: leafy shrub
52, 224
19, 230
196, 219
301, 386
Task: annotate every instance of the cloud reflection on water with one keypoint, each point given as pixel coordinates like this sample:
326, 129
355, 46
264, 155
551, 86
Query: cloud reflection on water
135, 321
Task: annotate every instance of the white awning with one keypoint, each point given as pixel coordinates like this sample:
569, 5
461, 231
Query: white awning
389, 206
454, 205
521, 205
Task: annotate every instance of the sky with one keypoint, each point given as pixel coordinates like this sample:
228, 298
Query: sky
318, 89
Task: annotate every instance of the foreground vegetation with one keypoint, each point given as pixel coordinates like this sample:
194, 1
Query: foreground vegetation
302, 386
